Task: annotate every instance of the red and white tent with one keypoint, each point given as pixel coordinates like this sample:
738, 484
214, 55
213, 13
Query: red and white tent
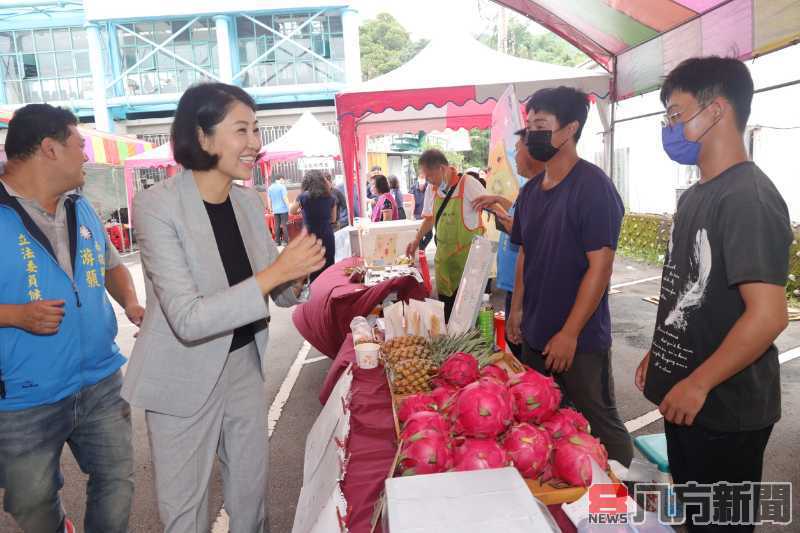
452, 83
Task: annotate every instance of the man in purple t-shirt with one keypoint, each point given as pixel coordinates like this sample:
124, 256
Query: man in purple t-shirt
567, 225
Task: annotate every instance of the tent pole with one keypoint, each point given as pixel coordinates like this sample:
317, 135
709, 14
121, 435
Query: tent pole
613, 123
611, 136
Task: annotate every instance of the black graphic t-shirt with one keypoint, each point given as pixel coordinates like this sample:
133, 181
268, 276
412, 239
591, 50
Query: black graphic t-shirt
731, 230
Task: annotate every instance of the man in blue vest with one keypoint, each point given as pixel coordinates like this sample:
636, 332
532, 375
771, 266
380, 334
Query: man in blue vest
59, 366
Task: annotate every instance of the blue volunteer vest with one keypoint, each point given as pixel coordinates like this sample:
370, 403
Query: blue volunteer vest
43, 369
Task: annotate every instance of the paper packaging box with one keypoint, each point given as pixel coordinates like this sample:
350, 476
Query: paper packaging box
483, 501
381, 243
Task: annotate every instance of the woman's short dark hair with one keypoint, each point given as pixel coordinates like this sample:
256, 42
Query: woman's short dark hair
32, 124
394, 183
381, 183
202, 106
315, 184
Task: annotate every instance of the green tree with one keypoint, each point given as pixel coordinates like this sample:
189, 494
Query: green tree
385, 45
479, 155
544, 47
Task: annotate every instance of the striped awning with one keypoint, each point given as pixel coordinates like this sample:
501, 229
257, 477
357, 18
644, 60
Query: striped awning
101, 148
640, 41
107, 149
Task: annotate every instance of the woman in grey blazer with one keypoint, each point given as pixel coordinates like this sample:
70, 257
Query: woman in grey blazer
200, 360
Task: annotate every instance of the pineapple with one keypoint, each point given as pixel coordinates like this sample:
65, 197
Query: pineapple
470, 342
402, 342
412, 375
401, 348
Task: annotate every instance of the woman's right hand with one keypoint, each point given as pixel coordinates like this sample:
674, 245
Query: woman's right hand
303, 255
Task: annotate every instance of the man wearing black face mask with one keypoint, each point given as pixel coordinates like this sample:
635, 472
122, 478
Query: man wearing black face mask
713, 367
567, 225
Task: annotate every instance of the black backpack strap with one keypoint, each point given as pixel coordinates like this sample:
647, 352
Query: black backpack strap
27, 221
72, 227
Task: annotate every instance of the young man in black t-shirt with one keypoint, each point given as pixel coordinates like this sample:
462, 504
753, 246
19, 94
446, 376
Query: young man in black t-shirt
713, 368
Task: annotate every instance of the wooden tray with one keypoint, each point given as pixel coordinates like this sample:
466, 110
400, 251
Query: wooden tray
553, 493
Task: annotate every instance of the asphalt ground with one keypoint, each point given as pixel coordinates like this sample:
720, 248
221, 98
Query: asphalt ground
632, 323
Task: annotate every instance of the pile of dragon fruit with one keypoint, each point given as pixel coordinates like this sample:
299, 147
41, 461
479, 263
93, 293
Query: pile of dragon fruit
478, 419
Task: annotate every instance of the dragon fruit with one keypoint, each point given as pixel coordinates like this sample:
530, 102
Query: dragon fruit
426, 452
460, 369
425, 420
565, 423
530, 448
442, 394
478, 454
536, 397
415, 403
496, 372
572, 459
482, 410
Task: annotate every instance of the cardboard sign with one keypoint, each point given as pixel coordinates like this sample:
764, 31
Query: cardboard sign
332, 424
314, 506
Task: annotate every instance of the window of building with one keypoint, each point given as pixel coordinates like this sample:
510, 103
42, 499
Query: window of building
44, 65
304, 58
173, 69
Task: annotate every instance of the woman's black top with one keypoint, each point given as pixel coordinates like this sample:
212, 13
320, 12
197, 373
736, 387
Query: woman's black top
234, 259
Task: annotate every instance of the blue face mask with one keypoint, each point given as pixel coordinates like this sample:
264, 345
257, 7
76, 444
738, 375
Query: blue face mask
678, 147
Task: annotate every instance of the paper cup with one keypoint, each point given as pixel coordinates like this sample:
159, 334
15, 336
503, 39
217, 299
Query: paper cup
367, 355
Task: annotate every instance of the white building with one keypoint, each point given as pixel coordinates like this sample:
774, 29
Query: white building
123, 65
650, 182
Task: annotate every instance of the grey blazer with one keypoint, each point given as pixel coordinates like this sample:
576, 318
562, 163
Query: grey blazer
191, 310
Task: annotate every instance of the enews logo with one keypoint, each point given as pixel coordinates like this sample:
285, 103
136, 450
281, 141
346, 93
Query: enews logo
720, 504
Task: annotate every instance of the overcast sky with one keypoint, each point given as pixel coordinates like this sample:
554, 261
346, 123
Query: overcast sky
429, 18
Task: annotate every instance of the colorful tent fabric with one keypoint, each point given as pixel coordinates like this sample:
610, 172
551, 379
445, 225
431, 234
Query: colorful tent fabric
452, 83
107, 149
101, 148
640, 41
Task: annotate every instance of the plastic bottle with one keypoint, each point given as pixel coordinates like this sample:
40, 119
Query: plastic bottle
486, 319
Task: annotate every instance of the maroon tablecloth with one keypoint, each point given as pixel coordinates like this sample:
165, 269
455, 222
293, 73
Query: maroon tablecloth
372, 444
324, 320
346, 355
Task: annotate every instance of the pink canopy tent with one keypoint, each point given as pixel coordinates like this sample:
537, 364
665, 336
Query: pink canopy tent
641, 41
452, 83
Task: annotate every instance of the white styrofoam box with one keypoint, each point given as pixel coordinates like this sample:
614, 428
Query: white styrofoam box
381, 243
483, 501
